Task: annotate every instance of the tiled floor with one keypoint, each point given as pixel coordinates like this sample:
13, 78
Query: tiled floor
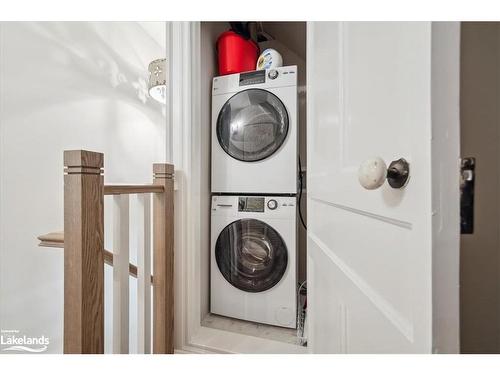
249, 328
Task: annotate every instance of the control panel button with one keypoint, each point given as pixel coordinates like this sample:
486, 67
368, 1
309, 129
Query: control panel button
272, 204
273, 74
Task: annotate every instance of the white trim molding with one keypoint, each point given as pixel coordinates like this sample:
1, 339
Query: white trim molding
182, 111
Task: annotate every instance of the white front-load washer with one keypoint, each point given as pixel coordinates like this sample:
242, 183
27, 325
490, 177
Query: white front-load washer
253, 259
254, 132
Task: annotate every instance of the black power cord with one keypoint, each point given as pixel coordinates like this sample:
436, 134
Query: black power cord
301, 184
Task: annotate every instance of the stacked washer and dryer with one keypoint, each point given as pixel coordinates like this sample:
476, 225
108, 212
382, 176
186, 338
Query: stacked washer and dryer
254, 186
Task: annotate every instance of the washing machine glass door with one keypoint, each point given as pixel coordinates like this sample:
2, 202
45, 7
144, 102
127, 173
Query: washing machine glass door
251, 255
252, 125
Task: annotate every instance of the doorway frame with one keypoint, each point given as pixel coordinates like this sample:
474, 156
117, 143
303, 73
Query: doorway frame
184, 148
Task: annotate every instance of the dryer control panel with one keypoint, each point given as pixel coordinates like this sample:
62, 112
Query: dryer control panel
284, 76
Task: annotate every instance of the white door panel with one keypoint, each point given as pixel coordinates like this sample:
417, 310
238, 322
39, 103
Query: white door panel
371, 262
369, 252
368, 76
358, 324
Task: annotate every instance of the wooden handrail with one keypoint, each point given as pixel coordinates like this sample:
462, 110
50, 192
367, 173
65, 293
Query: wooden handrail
52, 239
132, 189
84, 254
56, 239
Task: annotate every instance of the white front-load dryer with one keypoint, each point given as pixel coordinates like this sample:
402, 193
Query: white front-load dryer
254, 132
253, 259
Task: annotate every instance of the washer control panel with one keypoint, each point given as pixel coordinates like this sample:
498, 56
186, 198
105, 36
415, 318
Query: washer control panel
255, 205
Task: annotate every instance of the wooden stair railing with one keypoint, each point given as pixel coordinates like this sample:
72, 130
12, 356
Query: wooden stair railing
84, 257
56, 239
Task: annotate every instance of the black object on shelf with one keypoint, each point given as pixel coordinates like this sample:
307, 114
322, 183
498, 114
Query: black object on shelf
241, 28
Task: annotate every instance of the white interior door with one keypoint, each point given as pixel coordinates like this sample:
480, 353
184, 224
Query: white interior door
375, 281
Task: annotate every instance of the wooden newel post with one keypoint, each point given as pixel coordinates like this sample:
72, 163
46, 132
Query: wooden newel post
163, 260
83, 252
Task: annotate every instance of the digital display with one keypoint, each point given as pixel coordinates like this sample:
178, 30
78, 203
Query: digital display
251, 204
253, 78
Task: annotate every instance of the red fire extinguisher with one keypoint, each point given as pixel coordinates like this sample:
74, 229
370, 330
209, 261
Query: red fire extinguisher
236, 51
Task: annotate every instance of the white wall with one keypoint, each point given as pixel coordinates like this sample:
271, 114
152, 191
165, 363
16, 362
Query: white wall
66, 86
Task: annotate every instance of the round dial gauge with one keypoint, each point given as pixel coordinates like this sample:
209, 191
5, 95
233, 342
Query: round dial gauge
272, 204
273, 74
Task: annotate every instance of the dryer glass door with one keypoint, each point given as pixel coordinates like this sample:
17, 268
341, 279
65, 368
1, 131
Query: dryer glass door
252, 125
251, 255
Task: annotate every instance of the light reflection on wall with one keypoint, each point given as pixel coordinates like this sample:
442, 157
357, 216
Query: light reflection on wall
66, 85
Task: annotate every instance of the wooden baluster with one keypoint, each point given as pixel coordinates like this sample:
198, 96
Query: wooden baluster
83, 252
121, 274
163, 260
144, 274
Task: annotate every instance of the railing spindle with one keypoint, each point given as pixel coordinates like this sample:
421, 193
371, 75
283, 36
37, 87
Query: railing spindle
144, 274
120, 274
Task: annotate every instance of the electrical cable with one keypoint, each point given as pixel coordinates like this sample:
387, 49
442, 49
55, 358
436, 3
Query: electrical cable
300, 196
301, 314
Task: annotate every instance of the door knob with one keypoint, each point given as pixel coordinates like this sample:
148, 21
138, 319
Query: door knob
373, 172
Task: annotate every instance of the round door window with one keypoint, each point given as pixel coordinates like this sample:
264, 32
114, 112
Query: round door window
251, 255
252, 125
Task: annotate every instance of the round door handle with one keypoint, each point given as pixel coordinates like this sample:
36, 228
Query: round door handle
373, 172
